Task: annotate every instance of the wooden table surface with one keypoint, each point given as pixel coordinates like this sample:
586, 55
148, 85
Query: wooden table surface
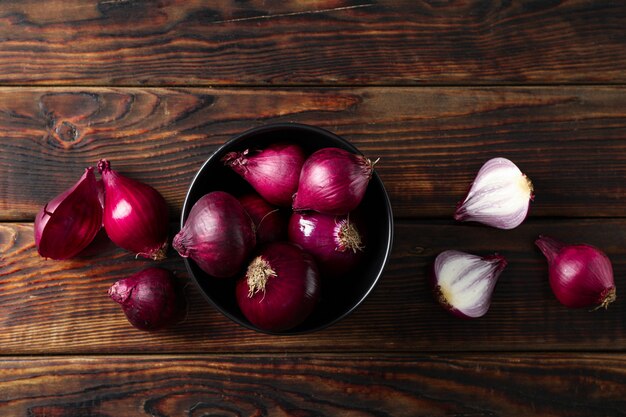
432, 88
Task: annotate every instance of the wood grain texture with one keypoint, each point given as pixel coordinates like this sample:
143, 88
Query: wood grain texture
570, 141
321, 385
49, 307
331, 42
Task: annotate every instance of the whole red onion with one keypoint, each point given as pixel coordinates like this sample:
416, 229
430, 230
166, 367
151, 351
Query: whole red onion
333, 181
150, 299
273, 172
580, 275
280, 288
135, 214
270, 222
336, 242
70, 221
218, 235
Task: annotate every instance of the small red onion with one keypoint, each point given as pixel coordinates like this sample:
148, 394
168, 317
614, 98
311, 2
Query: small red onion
499, 196
580, 275
333, 181
463, 283
336, 242
280, 289
270, 222
135, 214
150, 299
273, 172
70, 221
218, 235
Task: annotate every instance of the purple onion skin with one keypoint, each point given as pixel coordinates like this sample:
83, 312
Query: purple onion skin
580, 275
273, 172
218, 235
289, 297
135, 214
333, 181
270, 221
321, 236
150, 299
70, 221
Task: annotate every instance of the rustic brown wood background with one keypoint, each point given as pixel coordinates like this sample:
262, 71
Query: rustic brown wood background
434, 88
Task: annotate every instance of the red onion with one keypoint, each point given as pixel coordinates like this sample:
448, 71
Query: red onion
270, 222
333, 181
150, 299
580, 275
335, 242
464, 283
135, 214
280, 288
70, 221
273, 172
218, 235
499, 196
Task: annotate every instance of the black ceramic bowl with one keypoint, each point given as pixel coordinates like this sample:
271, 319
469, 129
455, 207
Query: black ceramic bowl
338, 297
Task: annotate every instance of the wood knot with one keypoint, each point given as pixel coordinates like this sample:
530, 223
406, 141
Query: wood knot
66, 132
418, 250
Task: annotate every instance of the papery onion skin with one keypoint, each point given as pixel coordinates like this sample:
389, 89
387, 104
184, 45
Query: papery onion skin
150, 299
270, 221
500, 196
218, 235
333, 181
336, 242
468, 291
580, 275
290, 292
135, 214
70, 221
273, 171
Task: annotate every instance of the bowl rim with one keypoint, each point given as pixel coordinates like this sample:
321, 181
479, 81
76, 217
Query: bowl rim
313, 129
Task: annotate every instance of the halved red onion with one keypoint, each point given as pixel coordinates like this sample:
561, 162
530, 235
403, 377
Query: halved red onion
463, 283
273, 171
499, 196
270, 221
336, 242
280, 288
135, 214
70, 221
218, 235
580, 275
150, 299
333, 181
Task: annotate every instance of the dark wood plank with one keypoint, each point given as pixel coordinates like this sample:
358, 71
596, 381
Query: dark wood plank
180, 42
49, 307
431, 141
465, 385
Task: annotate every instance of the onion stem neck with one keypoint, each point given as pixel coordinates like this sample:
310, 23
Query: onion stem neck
259, 271
236, 160
369, 166
550, 247
104, 165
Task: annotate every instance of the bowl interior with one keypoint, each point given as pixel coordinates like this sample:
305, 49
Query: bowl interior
339, 296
